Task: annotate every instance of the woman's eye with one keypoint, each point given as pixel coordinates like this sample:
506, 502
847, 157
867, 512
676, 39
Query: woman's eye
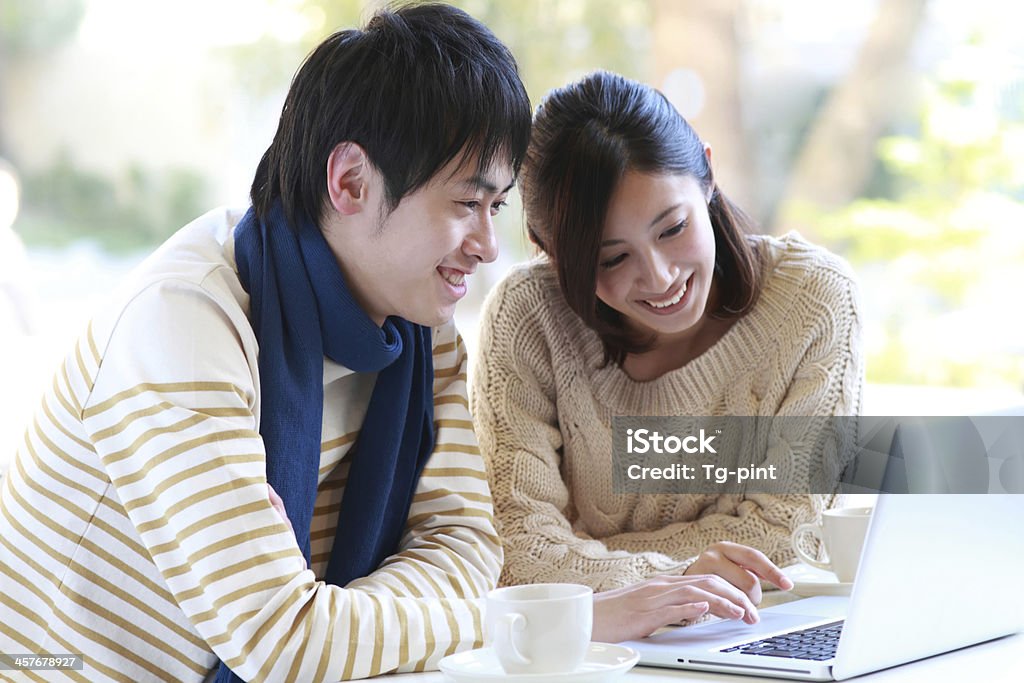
674, 230
472, 204
496, 207
611, 263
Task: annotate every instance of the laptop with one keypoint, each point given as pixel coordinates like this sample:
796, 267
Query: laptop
937, 573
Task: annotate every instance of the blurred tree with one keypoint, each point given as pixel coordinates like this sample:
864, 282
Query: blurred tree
697, 58
264, 67
133, 210
949, 240
553, 42
36, 26
837, 158
28, 29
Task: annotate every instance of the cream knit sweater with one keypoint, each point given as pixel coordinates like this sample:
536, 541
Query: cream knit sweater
543, 407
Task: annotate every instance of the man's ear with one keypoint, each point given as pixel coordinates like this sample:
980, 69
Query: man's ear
348, 177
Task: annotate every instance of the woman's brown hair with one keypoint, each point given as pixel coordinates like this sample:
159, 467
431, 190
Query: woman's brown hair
585, 136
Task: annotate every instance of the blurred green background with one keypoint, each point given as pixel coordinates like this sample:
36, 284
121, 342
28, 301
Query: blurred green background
891, 132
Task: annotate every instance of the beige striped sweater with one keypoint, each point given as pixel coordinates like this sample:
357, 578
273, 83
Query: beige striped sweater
135, 526
543, 406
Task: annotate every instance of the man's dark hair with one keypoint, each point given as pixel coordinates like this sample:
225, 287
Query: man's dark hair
417, 87
586, 136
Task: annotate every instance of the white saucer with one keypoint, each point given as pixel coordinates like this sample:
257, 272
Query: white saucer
603, 662
809, 581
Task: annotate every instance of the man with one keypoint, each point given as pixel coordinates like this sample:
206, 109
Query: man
308, 345
258, 462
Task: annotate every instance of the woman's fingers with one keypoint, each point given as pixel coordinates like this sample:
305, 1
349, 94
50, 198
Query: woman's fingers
742, 566
756, 562
674, 615
637, 611
714, 561
725, 601
738, 576
693, 610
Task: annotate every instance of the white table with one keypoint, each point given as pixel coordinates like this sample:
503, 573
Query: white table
997, 661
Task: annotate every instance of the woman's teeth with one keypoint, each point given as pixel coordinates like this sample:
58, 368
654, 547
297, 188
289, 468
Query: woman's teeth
453, 276
671, 302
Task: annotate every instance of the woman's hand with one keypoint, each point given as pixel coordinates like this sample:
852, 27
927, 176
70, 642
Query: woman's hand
742, 566
638, 611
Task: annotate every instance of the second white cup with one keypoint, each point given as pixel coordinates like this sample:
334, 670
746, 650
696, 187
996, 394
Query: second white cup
842, 531
540, 628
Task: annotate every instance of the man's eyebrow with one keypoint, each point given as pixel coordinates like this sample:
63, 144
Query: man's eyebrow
482, 182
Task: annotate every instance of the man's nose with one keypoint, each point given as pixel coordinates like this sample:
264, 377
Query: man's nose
482, 242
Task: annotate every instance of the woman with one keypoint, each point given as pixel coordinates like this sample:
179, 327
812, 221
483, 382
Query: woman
652, 300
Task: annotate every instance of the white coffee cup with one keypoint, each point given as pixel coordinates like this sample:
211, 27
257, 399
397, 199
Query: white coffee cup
540, 628
842, 532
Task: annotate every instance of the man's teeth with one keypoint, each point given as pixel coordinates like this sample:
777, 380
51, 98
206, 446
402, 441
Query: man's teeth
453, 276
671, 302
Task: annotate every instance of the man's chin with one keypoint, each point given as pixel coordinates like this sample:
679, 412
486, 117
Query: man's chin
434, 318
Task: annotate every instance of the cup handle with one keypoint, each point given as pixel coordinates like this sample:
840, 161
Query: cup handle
503, 641
815, 531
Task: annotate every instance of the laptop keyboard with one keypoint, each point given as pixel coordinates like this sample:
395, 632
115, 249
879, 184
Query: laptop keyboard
817, 643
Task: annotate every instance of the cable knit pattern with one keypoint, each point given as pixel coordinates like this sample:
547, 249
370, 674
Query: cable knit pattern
543, 407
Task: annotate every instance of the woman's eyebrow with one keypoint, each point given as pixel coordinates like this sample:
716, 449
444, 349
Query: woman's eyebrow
657, 219
660, 216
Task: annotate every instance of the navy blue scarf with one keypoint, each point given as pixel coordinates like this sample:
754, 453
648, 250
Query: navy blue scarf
301, 311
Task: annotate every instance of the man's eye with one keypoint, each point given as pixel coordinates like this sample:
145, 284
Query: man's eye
496, 206
472, 205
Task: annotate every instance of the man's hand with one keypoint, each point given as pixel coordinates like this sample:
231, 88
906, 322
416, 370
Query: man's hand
278, 504
742, 566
